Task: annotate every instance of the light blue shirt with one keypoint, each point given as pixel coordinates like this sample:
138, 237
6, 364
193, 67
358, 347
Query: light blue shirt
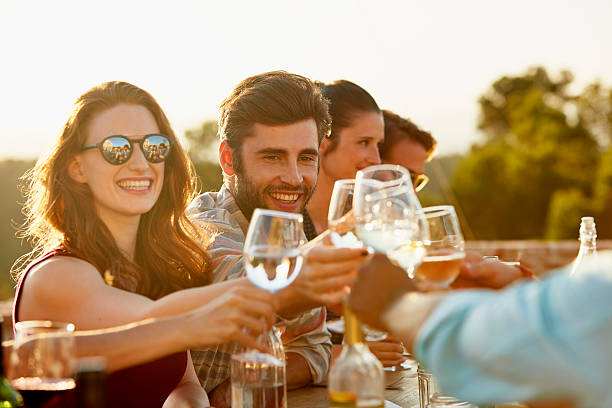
534, 340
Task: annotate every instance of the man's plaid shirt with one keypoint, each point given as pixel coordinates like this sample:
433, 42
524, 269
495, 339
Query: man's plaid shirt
305, 335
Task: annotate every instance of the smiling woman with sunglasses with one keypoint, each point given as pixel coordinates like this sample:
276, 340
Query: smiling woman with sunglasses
106, 214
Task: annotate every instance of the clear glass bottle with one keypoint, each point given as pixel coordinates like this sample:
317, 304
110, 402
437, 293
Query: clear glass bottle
588, 243
9, 396
259, 379
357, 379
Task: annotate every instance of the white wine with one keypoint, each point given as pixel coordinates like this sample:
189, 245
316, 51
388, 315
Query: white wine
397, 244
383, 239
273, 268
349, 400
257, 381
342, 236
440, 268
408, 256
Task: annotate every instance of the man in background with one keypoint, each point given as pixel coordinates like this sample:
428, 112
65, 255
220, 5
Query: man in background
407, 145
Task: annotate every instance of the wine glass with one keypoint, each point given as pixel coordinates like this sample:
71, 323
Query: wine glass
341, 223
42, 362
388, 215
340, 217
388, 219
445, 248
273, 259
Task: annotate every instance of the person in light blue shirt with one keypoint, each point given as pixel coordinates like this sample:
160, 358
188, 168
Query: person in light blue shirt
535, 340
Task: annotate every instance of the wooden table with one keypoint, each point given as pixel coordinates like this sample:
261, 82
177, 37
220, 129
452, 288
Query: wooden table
404, 392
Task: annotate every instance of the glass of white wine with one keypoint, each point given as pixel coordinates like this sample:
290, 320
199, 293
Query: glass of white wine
388, 215
389, 219
445, 248
273, 259
341, 223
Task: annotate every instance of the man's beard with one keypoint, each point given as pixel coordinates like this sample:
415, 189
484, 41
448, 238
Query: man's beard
248, 198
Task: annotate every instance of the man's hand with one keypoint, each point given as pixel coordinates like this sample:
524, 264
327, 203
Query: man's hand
388, 351
325, 278
379, 284
477, 272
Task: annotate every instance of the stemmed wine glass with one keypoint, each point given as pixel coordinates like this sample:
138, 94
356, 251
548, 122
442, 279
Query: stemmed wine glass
389, 219
340, 217
445, 248
273, 259
388, 215
341, 223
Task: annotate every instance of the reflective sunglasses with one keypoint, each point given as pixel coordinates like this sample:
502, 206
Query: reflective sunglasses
118, 149
419, 180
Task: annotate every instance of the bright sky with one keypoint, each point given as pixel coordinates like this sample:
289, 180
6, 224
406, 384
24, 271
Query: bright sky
427, 60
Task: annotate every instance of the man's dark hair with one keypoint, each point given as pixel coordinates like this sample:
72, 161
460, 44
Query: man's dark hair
346, 99
398, 128
272, 98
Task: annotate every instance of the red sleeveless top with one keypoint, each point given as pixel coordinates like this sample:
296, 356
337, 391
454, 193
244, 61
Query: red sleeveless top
146, 385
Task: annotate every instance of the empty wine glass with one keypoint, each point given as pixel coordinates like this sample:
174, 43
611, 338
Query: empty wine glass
388, 215
42, 363
445, 248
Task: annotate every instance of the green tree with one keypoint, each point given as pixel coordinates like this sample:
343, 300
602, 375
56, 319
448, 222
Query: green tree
202, 148
534, 147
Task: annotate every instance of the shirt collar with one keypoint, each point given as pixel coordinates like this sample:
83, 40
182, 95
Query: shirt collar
226, 200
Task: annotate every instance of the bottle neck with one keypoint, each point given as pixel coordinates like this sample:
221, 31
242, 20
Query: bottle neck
588, 242
352, 327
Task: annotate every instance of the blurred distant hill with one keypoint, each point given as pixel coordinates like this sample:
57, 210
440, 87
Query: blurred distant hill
10, 217
440, 172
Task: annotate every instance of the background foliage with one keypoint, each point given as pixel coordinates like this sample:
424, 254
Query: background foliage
543, 161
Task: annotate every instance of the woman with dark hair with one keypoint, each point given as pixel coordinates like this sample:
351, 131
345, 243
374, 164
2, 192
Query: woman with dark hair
106, 215
357, 129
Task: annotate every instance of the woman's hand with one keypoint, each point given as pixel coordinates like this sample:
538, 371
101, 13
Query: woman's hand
477, 272
241, 315
388, 351
328, 273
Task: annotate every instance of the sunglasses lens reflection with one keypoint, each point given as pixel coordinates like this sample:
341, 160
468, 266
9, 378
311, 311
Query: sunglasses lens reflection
156, 148
116, 150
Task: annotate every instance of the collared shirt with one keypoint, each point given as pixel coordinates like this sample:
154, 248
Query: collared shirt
534, 340
305, 335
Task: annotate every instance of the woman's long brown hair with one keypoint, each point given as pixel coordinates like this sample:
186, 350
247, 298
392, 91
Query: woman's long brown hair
60, 211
